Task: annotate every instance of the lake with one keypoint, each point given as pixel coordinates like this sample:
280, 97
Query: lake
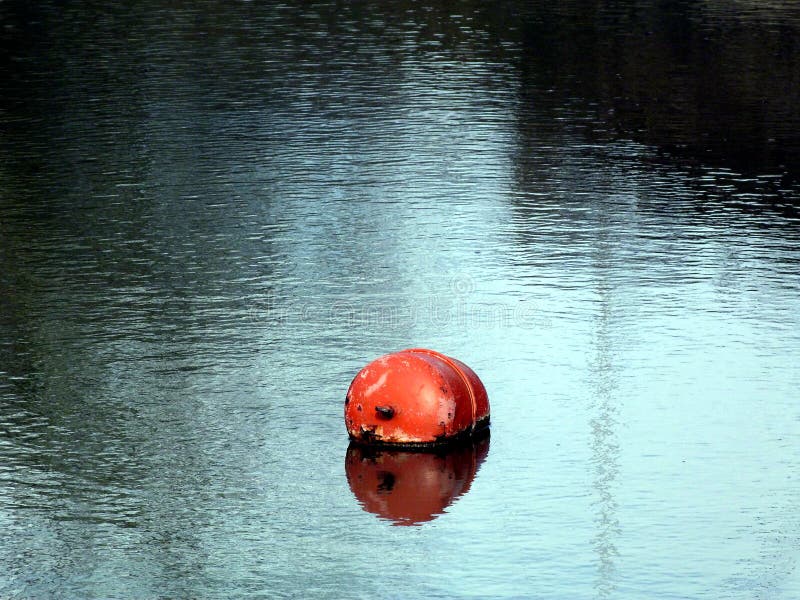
212, 216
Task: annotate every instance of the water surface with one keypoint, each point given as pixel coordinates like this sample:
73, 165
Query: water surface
211, 218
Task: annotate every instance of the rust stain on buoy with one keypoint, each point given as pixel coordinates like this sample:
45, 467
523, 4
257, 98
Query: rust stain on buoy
416, 398
411, 487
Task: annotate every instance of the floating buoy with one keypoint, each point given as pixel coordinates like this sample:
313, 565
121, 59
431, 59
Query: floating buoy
415, 398
411, 487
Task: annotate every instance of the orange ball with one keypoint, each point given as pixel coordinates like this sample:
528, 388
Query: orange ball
415, 397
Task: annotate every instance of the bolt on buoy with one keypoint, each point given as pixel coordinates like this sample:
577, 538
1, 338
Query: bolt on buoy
415, 398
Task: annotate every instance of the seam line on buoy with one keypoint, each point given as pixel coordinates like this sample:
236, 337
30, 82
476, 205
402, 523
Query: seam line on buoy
461, 374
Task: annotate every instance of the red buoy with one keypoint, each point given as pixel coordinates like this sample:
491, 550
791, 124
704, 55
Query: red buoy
415, 397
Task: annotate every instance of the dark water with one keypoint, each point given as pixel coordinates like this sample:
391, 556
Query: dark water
212, 215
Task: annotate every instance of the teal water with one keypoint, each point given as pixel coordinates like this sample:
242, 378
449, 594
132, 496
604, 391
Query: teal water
211, 219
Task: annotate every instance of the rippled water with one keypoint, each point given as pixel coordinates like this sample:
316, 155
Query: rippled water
212, 217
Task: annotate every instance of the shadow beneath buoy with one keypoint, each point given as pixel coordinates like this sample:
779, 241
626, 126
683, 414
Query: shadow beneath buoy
410, 487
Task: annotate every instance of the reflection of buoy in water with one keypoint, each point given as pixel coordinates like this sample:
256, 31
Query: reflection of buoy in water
415, 398
411, 487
